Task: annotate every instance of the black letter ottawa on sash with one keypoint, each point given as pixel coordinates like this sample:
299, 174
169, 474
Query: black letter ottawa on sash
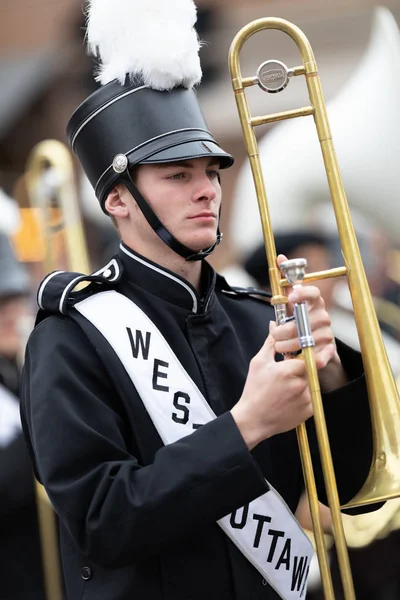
157, 374
237, 522
139, 344
300, 572
275, 536
284, 558
261, 522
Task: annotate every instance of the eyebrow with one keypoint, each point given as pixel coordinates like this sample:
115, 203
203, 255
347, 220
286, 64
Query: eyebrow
186, 164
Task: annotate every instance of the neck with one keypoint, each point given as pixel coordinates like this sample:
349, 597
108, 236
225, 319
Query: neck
168, 259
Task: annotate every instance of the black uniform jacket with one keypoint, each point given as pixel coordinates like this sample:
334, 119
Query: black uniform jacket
138, 520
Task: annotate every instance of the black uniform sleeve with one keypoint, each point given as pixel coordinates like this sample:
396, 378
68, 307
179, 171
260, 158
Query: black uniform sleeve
114, 508
16, 480
349, 427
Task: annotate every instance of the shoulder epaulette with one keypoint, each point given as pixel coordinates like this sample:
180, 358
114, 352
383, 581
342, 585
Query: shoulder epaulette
247, 292
57, 291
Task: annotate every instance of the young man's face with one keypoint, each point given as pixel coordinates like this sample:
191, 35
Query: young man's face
186, 197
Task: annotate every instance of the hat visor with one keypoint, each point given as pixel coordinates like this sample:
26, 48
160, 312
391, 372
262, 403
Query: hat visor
190, 150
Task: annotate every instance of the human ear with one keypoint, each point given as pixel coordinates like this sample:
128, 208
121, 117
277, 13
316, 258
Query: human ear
115, 204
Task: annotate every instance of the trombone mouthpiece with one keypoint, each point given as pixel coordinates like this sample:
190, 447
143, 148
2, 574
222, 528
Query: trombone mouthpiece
294, 270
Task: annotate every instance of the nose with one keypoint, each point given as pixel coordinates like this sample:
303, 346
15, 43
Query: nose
204, 189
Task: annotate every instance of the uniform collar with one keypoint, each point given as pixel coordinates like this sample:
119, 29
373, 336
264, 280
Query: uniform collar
166, 284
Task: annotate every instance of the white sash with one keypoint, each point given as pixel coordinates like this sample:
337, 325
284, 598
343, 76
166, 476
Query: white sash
265, 530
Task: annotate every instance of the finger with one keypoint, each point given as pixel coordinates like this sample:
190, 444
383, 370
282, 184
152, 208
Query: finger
323, 357
323, 336
324, 342
280, 259
306, 293
320, 324
320, 321
308, 406
286, 338
285, 331
288, 346
295, 367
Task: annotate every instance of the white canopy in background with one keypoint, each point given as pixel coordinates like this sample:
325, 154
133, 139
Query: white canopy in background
365, 123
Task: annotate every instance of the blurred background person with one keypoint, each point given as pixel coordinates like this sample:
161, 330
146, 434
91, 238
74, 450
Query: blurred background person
381, 259
321, 253
20, 550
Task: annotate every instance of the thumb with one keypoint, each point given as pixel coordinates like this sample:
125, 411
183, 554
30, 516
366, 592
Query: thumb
280, 259
268, 348
272, 328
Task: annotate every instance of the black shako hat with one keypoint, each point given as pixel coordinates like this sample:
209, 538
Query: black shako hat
147, 109
142, 124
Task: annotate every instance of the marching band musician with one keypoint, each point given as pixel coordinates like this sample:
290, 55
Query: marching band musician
20, 558
157, 416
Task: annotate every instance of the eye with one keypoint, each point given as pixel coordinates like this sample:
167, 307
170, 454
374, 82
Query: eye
176, 176
213, 173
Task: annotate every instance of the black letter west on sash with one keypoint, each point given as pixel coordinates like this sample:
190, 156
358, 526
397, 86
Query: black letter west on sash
183, 419
157, 373
139, 343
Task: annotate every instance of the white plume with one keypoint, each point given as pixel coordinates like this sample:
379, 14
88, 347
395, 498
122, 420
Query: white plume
152, 39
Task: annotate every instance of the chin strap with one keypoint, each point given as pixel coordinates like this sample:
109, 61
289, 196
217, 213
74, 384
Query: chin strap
159, 228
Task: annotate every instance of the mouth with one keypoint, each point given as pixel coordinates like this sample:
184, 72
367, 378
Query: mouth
204, 215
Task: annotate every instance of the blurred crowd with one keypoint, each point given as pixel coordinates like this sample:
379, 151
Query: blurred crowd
20, 550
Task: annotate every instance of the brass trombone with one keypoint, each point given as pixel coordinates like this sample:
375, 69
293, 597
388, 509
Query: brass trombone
383, 481
50, 189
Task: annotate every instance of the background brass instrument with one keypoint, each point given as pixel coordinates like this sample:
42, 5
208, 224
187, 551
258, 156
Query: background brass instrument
54, 215
383, 481
50, 181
